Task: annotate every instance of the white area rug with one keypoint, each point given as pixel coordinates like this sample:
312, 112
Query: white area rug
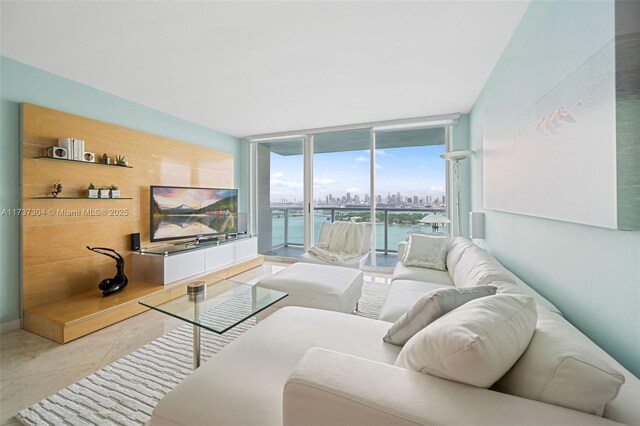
126, 391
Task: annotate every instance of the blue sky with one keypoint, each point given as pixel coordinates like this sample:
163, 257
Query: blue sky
410, 171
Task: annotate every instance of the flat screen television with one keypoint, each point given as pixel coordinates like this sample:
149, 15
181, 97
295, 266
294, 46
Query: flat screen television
182, 212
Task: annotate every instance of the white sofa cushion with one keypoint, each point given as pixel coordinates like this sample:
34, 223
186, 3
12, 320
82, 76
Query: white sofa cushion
478, 267
521, 288
242, 384
429, 308
474, 344
402, 295
427, 251
456, 249
561, 367
402, 272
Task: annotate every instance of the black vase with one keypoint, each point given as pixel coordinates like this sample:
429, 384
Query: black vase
120, 280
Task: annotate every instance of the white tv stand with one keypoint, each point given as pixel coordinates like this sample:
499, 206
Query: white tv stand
165, 265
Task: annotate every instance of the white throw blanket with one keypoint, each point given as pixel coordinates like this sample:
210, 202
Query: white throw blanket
343, 242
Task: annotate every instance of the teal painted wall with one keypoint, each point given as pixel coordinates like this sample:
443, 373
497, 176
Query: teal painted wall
22, 83
591, 274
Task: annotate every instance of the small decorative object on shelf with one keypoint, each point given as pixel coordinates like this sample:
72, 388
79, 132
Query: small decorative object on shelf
120, 280
106, 159
104, 192
89, 157
120, 160
115, 193
57, 188
56, 152
93, 192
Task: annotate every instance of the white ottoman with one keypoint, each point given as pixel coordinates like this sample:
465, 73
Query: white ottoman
332, 288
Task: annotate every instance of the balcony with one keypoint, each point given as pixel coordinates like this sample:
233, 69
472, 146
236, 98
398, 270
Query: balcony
392, 225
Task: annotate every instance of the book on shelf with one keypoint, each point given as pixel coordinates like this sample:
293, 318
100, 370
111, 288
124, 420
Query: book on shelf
74, 147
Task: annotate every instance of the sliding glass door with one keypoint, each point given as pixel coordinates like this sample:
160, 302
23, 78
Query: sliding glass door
391, 175
341, 184
410, 184
279, 187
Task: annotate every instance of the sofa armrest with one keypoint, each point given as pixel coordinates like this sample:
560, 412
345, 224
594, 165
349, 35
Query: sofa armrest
402, 246
332, 388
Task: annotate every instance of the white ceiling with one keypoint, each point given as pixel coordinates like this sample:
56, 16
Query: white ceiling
248, 68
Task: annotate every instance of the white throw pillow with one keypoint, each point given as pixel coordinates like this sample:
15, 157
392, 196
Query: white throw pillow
429, 308
561, 367
427, 251
474, 344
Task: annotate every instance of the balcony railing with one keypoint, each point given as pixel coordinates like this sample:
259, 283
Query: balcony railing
392, 224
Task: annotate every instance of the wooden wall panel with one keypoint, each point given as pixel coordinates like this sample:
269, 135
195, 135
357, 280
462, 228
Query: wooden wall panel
56, 264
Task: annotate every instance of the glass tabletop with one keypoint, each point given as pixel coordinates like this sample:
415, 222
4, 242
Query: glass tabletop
224, 305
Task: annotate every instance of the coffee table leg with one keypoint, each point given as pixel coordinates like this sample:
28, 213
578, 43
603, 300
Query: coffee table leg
196, 347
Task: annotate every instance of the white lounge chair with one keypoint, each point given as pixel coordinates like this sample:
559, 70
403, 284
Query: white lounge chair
330, 249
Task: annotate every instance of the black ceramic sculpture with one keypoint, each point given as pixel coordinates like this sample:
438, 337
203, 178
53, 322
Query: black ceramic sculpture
120, 280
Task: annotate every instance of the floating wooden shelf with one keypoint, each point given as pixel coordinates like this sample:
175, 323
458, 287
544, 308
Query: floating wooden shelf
40, 157
80, 198
67, 319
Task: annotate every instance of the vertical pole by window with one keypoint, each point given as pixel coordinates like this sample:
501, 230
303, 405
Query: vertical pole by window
308, 191
372, 189
448, 147
386, 232
253, 193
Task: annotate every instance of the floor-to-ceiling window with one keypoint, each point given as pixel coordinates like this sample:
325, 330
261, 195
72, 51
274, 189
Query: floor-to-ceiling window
279, 186
393, 172
341, 177
410, 183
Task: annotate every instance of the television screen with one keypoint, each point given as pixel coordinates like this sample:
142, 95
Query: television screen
178, 212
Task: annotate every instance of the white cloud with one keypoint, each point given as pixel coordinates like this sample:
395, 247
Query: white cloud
439, 189
279, 183
354, 189
277, 174
354, 167
362, 158
379, 166
421, 166
323, 181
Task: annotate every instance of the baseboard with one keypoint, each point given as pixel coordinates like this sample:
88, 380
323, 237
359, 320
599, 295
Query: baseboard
9, 326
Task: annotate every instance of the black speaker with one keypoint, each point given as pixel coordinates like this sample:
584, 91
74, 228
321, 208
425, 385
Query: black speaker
135, 241
242, 223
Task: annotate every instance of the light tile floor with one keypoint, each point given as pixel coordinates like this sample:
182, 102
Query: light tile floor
32, 367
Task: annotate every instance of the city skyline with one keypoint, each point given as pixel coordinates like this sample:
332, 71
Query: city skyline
396, 199
410, 170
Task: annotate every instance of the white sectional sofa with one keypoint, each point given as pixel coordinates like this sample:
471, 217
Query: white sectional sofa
410, 283
304, 366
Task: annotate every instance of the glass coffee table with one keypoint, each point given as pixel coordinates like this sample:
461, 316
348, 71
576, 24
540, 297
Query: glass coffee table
216, 306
